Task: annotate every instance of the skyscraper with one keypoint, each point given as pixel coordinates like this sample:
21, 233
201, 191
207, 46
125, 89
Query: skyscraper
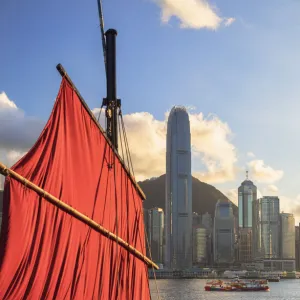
247, 194
266, 228
178, 191
156, 231
287, 232
224, 233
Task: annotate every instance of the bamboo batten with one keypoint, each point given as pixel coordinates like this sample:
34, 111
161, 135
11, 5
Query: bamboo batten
76, 214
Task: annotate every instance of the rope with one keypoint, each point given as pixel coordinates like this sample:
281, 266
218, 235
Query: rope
150, 254
130, 165
102, 32
99, 115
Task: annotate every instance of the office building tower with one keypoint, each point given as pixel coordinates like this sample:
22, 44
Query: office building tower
224, 233
287, 238
297, 246
247, 194
201, 246
156, 232
178, 233
266, 228
207, 223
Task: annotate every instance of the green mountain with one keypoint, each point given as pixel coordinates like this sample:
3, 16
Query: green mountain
204, 197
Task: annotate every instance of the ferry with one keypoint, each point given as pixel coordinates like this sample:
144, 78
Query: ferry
237, 285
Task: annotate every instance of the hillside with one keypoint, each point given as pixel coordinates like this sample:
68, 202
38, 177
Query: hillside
204, 197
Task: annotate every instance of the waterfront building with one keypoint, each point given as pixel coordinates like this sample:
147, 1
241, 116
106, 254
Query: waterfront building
178, 230
201, 245
156, 232
207, 223
297, 246
247, 194
224, 233
266, 228
287, 236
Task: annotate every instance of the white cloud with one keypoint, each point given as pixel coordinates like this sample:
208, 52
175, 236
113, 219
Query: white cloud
211, 142
5, 103
272, 188
232, 195
210, 139
17, 131
250, 154
228, 21
194, 14
263, 173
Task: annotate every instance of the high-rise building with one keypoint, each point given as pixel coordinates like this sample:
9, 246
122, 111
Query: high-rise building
156, 232
196, 225
224, 233
201, 248
287, 239
266, 228
207, 223
247, 194
297, 246
178, 233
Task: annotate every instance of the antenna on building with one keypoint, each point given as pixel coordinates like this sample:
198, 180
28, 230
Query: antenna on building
247, 173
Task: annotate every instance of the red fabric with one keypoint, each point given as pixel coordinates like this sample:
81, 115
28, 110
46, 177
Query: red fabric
47, 254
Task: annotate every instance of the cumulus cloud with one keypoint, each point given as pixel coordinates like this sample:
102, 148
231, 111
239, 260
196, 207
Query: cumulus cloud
250, 154
228, 21
211, 141
272, 188
17, 131
211, 146
263, 173
194, 14
232, 195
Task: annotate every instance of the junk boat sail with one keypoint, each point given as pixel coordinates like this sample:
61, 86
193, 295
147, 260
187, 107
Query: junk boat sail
72, 214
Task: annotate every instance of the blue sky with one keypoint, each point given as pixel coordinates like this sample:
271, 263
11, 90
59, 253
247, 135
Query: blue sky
246, 74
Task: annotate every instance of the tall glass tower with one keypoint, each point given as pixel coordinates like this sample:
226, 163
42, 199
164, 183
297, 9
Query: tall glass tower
178, 233
224, 233
247, 194
266, 228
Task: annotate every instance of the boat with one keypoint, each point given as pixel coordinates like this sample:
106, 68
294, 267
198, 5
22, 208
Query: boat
237, 286
72, 224
273, 278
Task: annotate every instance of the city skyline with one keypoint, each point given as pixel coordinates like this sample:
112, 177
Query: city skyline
244, 58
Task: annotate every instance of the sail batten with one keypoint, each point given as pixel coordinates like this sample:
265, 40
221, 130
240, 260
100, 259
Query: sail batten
45, 253
73, 212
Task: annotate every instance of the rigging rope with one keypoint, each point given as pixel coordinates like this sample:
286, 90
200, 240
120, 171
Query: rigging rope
102, 32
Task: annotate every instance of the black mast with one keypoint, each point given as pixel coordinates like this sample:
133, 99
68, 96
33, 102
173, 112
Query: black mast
111, 102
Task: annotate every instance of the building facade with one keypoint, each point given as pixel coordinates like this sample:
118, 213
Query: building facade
224, 237
178, 231
287, 239
201, 246
297, 246
156, 233
247, 194
266, 228
207, 223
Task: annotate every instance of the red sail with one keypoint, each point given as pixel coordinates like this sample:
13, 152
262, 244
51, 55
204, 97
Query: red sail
48, 254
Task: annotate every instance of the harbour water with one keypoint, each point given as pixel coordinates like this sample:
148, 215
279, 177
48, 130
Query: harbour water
192, 289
